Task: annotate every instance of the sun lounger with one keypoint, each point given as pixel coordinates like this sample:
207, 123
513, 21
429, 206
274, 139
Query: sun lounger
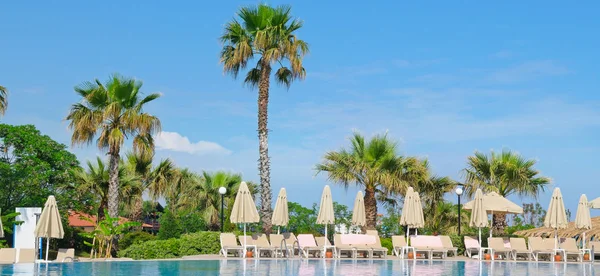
26, 255
8, 255
594, 246
361, 243
341, 248
447, 244
324, 242
499, 248
377, 248
308, 244
399, 243
569, 245
228, 243
428, 244
263, 245
519, 247
471, 246
249, 245
65, 255
538, 247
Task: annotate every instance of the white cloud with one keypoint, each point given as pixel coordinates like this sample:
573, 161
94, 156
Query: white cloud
173, 141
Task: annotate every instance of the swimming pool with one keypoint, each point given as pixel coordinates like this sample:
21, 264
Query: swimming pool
300, 268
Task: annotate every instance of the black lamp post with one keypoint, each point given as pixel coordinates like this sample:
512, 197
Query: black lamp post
222, 191
459, 192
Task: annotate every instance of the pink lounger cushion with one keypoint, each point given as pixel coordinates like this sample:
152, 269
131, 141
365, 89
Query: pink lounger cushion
426, 241
358, 239
471, 243
306, 240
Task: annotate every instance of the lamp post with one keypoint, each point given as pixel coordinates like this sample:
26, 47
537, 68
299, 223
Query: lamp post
459, 192
222, 191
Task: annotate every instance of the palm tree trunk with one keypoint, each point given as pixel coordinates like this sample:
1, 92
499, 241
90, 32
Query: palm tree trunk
113, 183
498, 222
101, 210
263, 147
136, 213
370, 207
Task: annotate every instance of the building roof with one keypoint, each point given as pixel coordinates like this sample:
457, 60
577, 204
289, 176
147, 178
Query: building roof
80, 219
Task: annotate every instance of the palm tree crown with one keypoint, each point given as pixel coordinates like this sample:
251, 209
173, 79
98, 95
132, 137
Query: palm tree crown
373, 166
3, 99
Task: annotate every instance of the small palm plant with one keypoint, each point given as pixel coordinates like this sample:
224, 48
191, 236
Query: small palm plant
105, 232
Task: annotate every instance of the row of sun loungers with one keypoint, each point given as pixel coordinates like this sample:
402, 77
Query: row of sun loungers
27, 255
351, 245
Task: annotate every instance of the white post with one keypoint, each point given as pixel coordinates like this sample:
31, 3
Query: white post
583, 246
325, 242
407, 234
47, 247
491, 224
278, 228
245, 242
480, 251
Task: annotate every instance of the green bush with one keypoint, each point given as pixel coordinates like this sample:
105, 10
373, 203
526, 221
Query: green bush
157, 249
200, 243
387, 243
189, 244
132, 238
169, 226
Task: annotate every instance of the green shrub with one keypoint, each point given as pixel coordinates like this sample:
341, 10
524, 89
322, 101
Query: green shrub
132, 238
169, 226
200, 243
387, 243
157, 249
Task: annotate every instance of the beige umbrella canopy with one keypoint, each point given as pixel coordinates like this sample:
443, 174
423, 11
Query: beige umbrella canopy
582, 219
281, 215
244, 210
412, 211
358, 213
50, 224
326, 215
496, 204
479, 217
556, 216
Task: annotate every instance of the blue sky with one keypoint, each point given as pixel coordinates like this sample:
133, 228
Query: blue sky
444, 80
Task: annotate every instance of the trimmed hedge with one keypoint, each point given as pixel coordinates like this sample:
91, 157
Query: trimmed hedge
188, 244
136, 237
387, 243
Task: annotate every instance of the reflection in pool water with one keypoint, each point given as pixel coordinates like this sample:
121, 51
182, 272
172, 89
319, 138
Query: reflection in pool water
301, 267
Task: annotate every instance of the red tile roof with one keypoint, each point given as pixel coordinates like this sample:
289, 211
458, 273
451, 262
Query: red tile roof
79, 219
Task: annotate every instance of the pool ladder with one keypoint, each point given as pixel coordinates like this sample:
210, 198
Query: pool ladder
283, 244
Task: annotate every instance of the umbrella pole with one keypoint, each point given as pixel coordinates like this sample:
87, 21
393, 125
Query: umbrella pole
47, 247
479, 243
278, 228
325, 243
491, 224
583, 246
407, 233
245, 242
555, 238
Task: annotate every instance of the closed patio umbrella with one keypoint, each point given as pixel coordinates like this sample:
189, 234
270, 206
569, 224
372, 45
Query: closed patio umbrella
281, 215
49, 225
412, 211
478, 214
244, 211
583, 219
326, 215
358, 213
496, 204
556, 216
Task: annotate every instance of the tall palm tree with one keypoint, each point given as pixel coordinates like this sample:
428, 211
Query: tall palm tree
432, 189
373, 166
444, 218
154, 180
267, 34
3, 99
209, 198
95, 181
506, 173
114, 111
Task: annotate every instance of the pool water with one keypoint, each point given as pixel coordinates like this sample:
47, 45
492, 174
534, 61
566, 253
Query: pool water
300, 267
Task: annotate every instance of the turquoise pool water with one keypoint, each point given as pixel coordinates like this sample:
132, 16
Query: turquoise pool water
300, 267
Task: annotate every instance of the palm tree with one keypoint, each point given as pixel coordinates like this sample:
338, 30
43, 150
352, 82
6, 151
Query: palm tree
154, 180
267, 34
95, 181
114, 111
3, 99
209, 198
432, 189
373, 166
506, 173
444, 218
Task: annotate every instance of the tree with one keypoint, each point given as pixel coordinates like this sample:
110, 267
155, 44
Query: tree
267, 34
114, 112
169, 226
373, 166
154, 180
432, 189
506, 173
302, 219
94, 181
33, 167
444, 218
3, 99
